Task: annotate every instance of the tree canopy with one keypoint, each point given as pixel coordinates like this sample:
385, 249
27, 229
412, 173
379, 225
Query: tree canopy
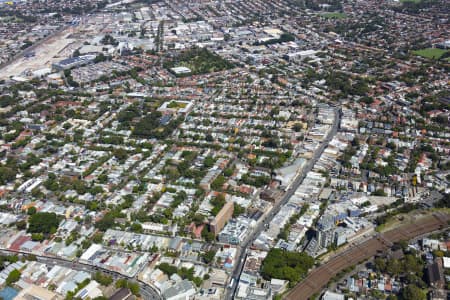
43, 222
413, 292
286, 265
14, 276
199, 61
150, 126
105, 223
7, 174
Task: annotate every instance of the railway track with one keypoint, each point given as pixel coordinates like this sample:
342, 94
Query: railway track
319, 277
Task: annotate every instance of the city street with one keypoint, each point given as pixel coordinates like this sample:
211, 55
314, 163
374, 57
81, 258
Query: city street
285, 198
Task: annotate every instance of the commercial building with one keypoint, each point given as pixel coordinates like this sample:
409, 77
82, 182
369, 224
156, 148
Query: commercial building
332, 296
222, 218
181, 290
235, 231
73, 62
181, 70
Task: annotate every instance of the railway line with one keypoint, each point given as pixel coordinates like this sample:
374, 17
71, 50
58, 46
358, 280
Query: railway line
319, 277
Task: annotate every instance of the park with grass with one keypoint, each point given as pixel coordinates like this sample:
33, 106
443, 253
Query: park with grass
176, 105
334, 15
198, 61
432, 53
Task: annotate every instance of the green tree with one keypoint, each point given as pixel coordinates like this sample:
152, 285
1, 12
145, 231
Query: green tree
238, 210
218, 183
394, 268
208, 256
121, 154
217, 202
413, 264
7, 174
380, 264
102, 178
121, 283
228, 172
297, 127
37, 237
98, 238
136, 227
209, 162
43, 222
102, 278
106, 223
286, 265
167, 269
31, 210
207, 234
413, 292
379, 192
13, 277
134, 288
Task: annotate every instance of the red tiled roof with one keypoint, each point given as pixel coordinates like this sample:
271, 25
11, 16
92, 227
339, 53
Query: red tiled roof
19, 242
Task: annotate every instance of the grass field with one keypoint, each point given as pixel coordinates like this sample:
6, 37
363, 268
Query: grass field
401, 219
431, 53
334, 15
177, 105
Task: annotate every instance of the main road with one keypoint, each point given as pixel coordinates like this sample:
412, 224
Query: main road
147, 292
240, 260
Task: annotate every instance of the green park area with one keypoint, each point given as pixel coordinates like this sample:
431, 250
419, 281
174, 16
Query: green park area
286, 265
199, 61
176, 105
334, 15
431, 53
